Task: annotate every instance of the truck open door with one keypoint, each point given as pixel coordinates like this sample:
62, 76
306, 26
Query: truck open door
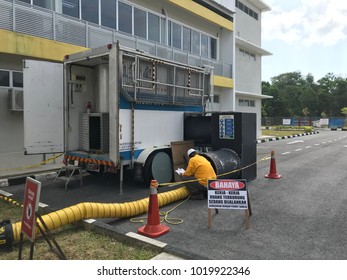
43, 107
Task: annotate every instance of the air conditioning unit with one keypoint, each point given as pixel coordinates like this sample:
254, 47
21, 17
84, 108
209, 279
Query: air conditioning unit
16, 100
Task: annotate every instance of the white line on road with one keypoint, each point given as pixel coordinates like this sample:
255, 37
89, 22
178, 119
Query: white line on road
297, 150
294, 142
308, 147
285, 153
316, 144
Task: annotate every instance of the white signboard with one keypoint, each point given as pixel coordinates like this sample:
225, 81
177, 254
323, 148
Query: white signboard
227, 194
286, 121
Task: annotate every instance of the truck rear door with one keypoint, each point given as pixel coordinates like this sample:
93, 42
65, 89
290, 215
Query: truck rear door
43, 107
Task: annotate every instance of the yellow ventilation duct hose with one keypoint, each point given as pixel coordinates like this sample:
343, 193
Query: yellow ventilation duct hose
94, 210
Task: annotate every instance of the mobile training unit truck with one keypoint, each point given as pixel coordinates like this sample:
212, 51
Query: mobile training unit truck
111, 107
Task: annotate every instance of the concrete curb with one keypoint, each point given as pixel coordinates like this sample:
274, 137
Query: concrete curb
285, 137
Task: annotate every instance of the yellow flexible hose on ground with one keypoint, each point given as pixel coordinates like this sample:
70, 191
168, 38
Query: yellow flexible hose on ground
89, 210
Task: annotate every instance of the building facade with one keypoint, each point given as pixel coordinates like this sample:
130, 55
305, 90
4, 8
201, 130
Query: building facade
194, 32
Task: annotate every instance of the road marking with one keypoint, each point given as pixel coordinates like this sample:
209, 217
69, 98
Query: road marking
324, 142
316, 144
308, 147
294, 142
297, 150
285, 153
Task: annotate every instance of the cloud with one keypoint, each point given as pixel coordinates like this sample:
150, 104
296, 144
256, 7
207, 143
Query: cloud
319, 22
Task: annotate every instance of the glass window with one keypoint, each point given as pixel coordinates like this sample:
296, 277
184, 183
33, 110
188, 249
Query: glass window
26, 1
17, 79
4, 78
169, 33
108, 13
153, 27
90, 10
125, 18
163, 31
213, 43
48, 4
186, 39
140, 23
204, 45
176, 35
196, 42
71, 8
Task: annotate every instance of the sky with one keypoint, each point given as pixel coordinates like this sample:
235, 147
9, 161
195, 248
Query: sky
309, 36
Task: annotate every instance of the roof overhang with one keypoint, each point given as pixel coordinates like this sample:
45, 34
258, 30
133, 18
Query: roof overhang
250, 46
252, 95
261, 5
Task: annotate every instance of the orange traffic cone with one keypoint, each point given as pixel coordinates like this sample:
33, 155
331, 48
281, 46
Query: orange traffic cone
153, 228
273, 172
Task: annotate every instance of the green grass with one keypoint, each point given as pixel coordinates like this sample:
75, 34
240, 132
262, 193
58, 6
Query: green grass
280, 133
75, 242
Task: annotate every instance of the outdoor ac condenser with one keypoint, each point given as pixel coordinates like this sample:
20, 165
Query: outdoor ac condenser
15, 99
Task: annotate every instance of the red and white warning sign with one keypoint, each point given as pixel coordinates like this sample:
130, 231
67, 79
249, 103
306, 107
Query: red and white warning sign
227, 194
31, 204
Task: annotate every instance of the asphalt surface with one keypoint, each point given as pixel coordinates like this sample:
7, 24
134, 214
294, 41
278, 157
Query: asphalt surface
300, 216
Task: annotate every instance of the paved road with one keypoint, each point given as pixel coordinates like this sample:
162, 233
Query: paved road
300, 216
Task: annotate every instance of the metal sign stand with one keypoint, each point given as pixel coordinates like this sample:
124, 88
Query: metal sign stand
248, 213
47, 236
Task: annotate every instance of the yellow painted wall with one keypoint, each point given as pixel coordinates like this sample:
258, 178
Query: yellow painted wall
21, 44
224, 82
203, 12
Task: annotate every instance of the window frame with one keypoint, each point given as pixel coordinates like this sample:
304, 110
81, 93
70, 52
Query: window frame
10, 78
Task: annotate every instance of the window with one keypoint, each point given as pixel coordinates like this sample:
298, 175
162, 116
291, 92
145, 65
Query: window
26, 1
186, 39
246, 103
215, 98
17, 79
176, 35
48, 4
153, 28
169, 33
246, 9
125, 18
90, 10
71, 8
163, 32
248, 54
9, 78
196, 42
4, 78
204, 45
213, 43
108, 13
140, 23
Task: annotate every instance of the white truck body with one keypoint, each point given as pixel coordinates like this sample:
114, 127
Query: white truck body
137, 109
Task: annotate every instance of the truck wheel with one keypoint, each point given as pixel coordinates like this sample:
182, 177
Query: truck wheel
158, 166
